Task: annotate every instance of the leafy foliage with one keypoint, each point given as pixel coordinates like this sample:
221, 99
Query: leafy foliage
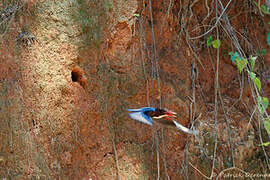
252, 75
215, 43
267, 126
252, 62
262, 104
263, 8
209, 41
234, 55
265, 144
241, 64
257, 83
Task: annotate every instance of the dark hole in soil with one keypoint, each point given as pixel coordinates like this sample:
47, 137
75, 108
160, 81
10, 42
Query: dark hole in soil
76, 75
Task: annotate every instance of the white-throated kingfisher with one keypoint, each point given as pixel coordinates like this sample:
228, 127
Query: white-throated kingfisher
149, 114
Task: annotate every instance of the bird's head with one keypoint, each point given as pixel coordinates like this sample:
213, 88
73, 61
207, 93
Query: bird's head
163, 113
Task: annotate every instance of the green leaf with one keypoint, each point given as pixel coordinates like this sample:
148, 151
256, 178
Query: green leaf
136, 15
265, 102
258, 83
265, 144
241, 64
234, 56
265, 9
268, 22
216, 43
252, 61
262, 104
252, 75
259, 104
209, 41
267, 126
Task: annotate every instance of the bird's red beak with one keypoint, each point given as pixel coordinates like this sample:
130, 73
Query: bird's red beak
170, 114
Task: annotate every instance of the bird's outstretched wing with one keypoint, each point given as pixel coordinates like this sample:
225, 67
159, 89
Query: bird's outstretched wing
183, 128
142, 109
140, 116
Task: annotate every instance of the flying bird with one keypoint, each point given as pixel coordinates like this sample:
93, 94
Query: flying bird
162, 116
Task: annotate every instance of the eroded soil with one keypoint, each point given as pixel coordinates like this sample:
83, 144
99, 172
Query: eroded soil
64, 97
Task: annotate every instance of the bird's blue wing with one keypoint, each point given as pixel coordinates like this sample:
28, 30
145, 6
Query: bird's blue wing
142, 109
140, 116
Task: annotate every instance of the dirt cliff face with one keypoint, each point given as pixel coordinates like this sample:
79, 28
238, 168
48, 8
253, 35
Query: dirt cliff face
64, 92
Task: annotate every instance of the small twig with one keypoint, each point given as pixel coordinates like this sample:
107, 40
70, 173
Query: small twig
261, 141
142, 45
216, 101
116, 158
194, 76
186, 160
195, 55
183, 18
190, 7
259, 6
228, 126
157, 151
251, 116
165, 18
153, 58
260, 117
200, 171
217, 21
164, 154
208, 11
